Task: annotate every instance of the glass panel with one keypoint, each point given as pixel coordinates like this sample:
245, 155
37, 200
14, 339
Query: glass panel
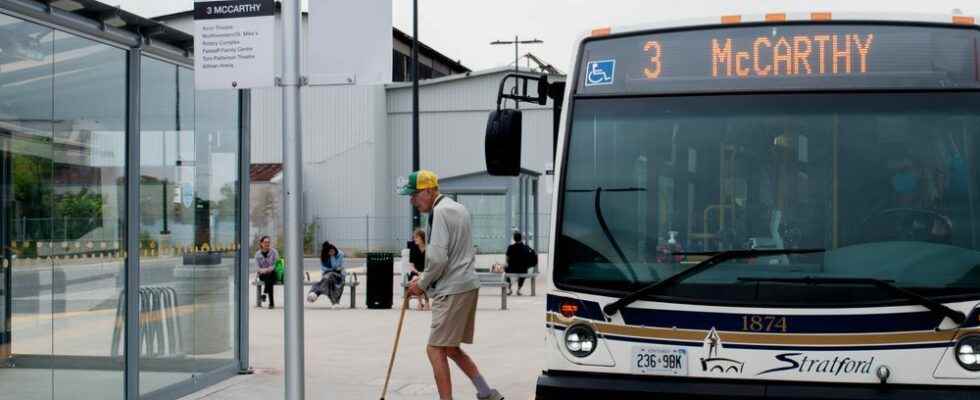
26, 167
166, 301
88, 196
189, 225
489, 223
531, 238
886, 183
61, 167
515, 209
216, 226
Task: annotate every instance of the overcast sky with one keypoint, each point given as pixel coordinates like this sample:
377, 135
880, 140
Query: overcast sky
463, 29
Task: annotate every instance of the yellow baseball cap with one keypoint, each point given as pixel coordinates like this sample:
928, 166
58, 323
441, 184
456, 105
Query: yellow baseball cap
418, 181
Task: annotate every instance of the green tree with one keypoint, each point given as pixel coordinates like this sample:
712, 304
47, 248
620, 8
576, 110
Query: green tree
32, 180
228, 203
81, 212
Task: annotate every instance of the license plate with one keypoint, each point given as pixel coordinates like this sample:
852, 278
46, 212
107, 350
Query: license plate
659, 361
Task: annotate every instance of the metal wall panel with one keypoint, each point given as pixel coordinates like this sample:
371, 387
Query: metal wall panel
454, 114
266, 126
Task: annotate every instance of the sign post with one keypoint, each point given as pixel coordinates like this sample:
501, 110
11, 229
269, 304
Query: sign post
293, 179
233, 44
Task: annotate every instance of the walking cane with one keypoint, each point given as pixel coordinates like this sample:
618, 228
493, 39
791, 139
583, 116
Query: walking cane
394, 349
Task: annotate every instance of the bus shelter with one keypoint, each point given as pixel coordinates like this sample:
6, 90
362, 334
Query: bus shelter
499, 206
123, 258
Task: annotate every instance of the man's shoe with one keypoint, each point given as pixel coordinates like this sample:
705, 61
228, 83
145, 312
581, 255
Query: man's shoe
311, 297
494, 395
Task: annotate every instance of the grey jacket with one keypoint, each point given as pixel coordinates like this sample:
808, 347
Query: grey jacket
450, 259
266, 264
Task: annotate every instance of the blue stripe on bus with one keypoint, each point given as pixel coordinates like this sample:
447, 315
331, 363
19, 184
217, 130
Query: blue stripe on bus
854, 323
732, 322
772, 347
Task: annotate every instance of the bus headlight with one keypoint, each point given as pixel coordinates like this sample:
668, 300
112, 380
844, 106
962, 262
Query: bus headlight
968, 352
580, 340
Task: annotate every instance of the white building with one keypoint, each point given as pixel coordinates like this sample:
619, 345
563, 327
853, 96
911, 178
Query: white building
357, 142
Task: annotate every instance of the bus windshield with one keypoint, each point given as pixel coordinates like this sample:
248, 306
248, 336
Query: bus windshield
885, 182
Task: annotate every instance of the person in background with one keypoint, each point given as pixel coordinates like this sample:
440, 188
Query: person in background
416, 261
332, 282
518, 261
265, 260
332, 260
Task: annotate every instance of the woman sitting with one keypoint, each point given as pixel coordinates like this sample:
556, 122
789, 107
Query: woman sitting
331, 283
265, 261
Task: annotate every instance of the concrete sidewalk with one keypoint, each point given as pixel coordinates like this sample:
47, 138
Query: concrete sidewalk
347, 351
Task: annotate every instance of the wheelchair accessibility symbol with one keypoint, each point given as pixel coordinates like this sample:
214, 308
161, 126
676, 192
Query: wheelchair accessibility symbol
600, 72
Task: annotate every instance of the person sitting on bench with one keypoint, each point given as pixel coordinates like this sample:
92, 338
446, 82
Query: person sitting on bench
265, 260
331, 283
520, 257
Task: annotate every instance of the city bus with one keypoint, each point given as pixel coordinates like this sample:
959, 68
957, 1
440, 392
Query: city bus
782, 206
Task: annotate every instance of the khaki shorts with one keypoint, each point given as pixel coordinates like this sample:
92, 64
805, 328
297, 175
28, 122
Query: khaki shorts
453, 319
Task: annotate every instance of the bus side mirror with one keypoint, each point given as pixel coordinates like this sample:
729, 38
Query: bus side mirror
503, 143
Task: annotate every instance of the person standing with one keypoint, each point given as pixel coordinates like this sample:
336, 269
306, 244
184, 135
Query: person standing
265, 260
451, 283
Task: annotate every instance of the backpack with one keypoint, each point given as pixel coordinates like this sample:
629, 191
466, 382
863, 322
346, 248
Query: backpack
280, 270
532, 257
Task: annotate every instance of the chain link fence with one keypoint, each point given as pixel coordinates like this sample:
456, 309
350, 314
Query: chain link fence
367, 233
356, 234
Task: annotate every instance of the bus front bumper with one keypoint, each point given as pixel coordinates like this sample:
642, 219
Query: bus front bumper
576, 385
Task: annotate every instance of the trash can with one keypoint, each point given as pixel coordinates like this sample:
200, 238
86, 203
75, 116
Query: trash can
204, 287
380, 275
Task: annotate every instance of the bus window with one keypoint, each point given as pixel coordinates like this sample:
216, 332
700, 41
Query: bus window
885, 182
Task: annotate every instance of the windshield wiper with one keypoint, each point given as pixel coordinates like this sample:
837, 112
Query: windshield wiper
609, 235
919, 299
715, 260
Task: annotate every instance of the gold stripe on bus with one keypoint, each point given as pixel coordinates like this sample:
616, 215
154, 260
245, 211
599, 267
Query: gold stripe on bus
695, 335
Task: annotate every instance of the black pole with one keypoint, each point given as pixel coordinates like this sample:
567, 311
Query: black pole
166, 204
6, 254
517, 57
166, 229
416, 218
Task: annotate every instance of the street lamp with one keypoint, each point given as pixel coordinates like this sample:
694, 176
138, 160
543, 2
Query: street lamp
516, 42
416, 216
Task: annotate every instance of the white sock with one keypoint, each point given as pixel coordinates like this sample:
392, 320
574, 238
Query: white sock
482, 389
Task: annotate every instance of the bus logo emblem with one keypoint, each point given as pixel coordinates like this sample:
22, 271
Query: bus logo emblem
599, 73
712, 363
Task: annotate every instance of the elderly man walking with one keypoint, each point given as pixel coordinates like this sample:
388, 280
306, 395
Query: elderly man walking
451, 283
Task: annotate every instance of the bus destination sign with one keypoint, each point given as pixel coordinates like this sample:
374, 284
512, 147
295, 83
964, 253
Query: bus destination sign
783, 58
